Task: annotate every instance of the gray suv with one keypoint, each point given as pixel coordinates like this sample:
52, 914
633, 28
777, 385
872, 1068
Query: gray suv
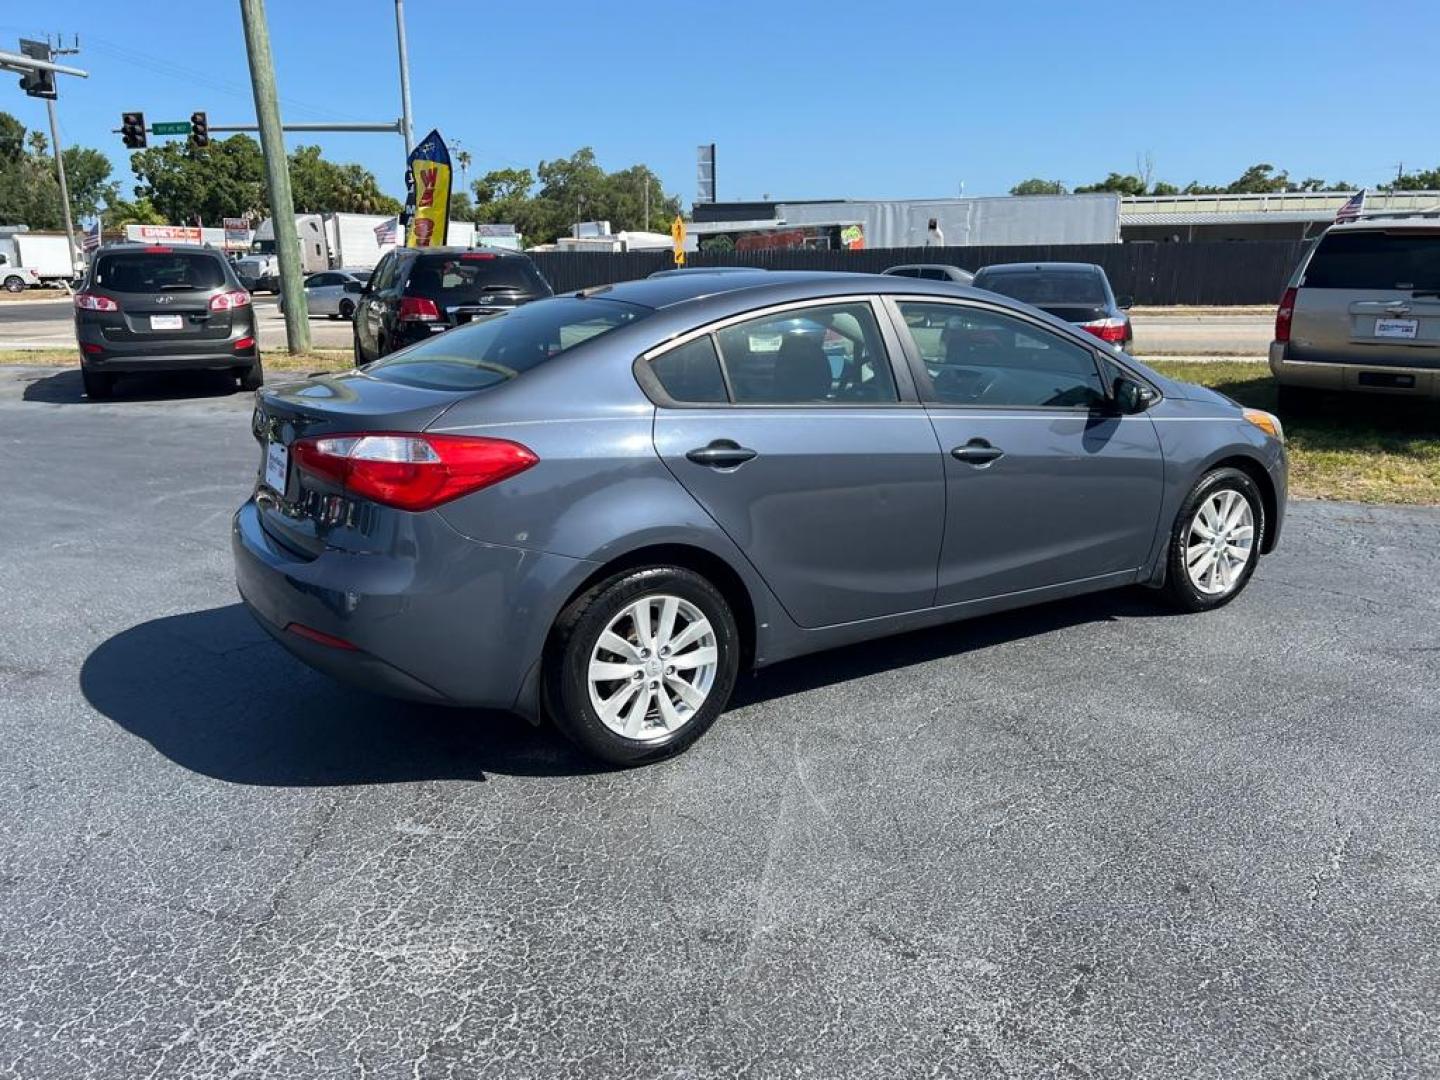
163, 308
1362, 312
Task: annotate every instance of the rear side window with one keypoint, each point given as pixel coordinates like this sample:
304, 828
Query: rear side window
459, 277
482, 354
830, 354
1375, 260
158, 271
691, 373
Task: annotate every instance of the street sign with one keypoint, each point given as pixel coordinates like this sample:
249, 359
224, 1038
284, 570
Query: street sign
677, 236
176, 127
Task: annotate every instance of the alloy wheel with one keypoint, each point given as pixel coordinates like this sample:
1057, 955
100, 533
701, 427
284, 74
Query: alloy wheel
1220, 542
652, 667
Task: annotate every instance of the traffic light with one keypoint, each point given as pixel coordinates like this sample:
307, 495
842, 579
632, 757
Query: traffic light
132, 130
199, 129
37, 83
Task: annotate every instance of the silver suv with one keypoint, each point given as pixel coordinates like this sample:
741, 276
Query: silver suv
1362, 311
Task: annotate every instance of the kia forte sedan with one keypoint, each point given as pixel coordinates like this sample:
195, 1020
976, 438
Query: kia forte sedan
603, 507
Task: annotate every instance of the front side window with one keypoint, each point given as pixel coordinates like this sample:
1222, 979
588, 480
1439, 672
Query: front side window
826, 355
974, 356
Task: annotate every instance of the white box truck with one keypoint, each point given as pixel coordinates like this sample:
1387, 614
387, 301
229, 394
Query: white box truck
28, 259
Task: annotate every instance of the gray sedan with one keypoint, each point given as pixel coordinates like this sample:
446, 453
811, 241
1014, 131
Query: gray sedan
333, 292
605, 506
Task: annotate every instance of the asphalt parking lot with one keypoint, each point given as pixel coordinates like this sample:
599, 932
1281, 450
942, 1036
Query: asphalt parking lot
1092, 839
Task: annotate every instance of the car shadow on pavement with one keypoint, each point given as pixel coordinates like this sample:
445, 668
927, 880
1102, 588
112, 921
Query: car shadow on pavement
215, 694
64, 387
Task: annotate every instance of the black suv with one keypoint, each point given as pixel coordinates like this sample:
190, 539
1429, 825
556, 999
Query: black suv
171, 308
418, 292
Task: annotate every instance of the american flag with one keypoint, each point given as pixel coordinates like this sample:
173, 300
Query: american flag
90, 241
387, 231
1352, 208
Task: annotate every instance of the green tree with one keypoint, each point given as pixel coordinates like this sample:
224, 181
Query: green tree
1036, 186
185, 182
1424, 180
320, 186
1123, 184
87, 174
1162, 188
121, 212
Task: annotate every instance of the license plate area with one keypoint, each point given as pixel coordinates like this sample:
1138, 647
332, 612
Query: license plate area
167, 322
1396, 328
277, 467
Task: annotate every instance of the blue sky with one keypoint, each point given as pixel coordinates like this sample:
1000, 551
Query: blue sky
805, 99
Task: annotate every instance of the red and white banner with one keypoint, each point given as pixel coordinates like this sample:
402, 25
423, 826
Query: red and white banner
165, 234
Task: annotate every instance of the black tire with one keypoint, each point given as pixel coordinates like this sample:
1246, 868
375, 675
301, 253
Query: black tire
347, 310
355, 343
14, 283
253, 377
1179, 589
575, 637
98, 385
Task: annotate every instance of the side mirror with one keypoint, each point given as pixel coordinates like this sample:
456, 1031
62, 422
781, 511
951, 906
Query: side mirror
1130, 397
1125, 303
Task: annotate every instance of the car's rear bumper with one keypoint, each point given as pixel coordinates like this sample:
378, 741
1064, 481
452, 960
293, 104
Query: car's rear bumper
1355, 376
450, 620
99, 353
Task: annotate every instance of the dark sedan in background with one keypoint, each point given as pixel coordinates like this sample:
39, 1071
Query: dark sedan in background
607, 505
1079, 293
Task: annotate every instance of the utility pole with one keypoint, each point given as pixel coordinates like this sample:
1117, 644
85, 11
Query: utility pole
60, 155
277, 174
407, 130
648, 178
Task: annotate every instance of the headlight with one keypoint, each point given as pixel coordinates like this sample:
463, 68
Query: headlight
1266, 422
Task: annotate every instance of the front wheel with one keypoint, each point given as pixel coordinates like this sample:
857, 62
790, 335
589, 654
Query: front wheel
642, 664
14, 283
1215, 543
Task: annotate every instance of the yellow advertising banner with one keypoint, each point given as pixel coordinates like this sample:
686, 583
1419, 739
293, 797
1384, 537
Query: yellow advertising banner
429, 183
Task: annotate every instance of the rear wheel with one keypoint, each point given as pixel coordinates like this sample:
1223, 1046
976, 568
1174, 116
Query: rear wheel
642, 664
1215, 543
347, 309
98, 385
253, 377
14, 283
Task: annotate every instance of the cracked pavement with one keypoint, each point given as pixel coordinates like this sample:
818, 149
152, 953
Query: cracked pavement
1088, 840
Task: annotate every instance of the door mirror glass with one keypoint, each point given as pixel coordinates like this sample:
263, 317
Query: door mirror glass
1130, 396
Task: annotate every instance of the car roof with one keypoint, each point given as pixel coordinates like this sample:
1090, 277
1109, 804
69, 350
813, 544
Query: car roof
923, 266
140, 247
1015, 268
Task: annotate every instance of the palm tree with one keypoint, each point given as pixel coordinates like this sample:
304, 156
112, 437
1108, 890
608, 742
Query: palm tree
463, 157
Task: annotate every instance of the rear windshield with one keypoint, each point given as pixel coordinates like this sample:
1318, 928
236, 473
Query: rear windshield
486, 353
1046, 287
158, 271
1375, 260
456, 278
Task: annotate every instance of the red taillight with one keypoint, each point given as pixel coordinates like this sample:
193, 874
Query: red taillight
229, 301
85, 301
158, 249
244, 344
91, 348
309, 633
418, 309
1284, 314
410, 472
1106, 329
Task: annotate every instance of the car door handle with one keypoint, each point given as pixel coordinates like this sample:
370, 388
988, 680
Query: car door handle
977, 452
721, 454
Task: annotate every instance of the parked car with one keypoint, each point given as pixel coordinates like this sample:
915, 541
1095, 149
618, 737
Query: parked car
1362, 311
163, 308
1079, 293
932, 272
416, 293
607, 505
333, 292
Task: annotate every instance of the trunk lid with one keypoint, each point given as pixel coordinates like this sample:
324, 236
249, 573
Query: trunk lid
307, 515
